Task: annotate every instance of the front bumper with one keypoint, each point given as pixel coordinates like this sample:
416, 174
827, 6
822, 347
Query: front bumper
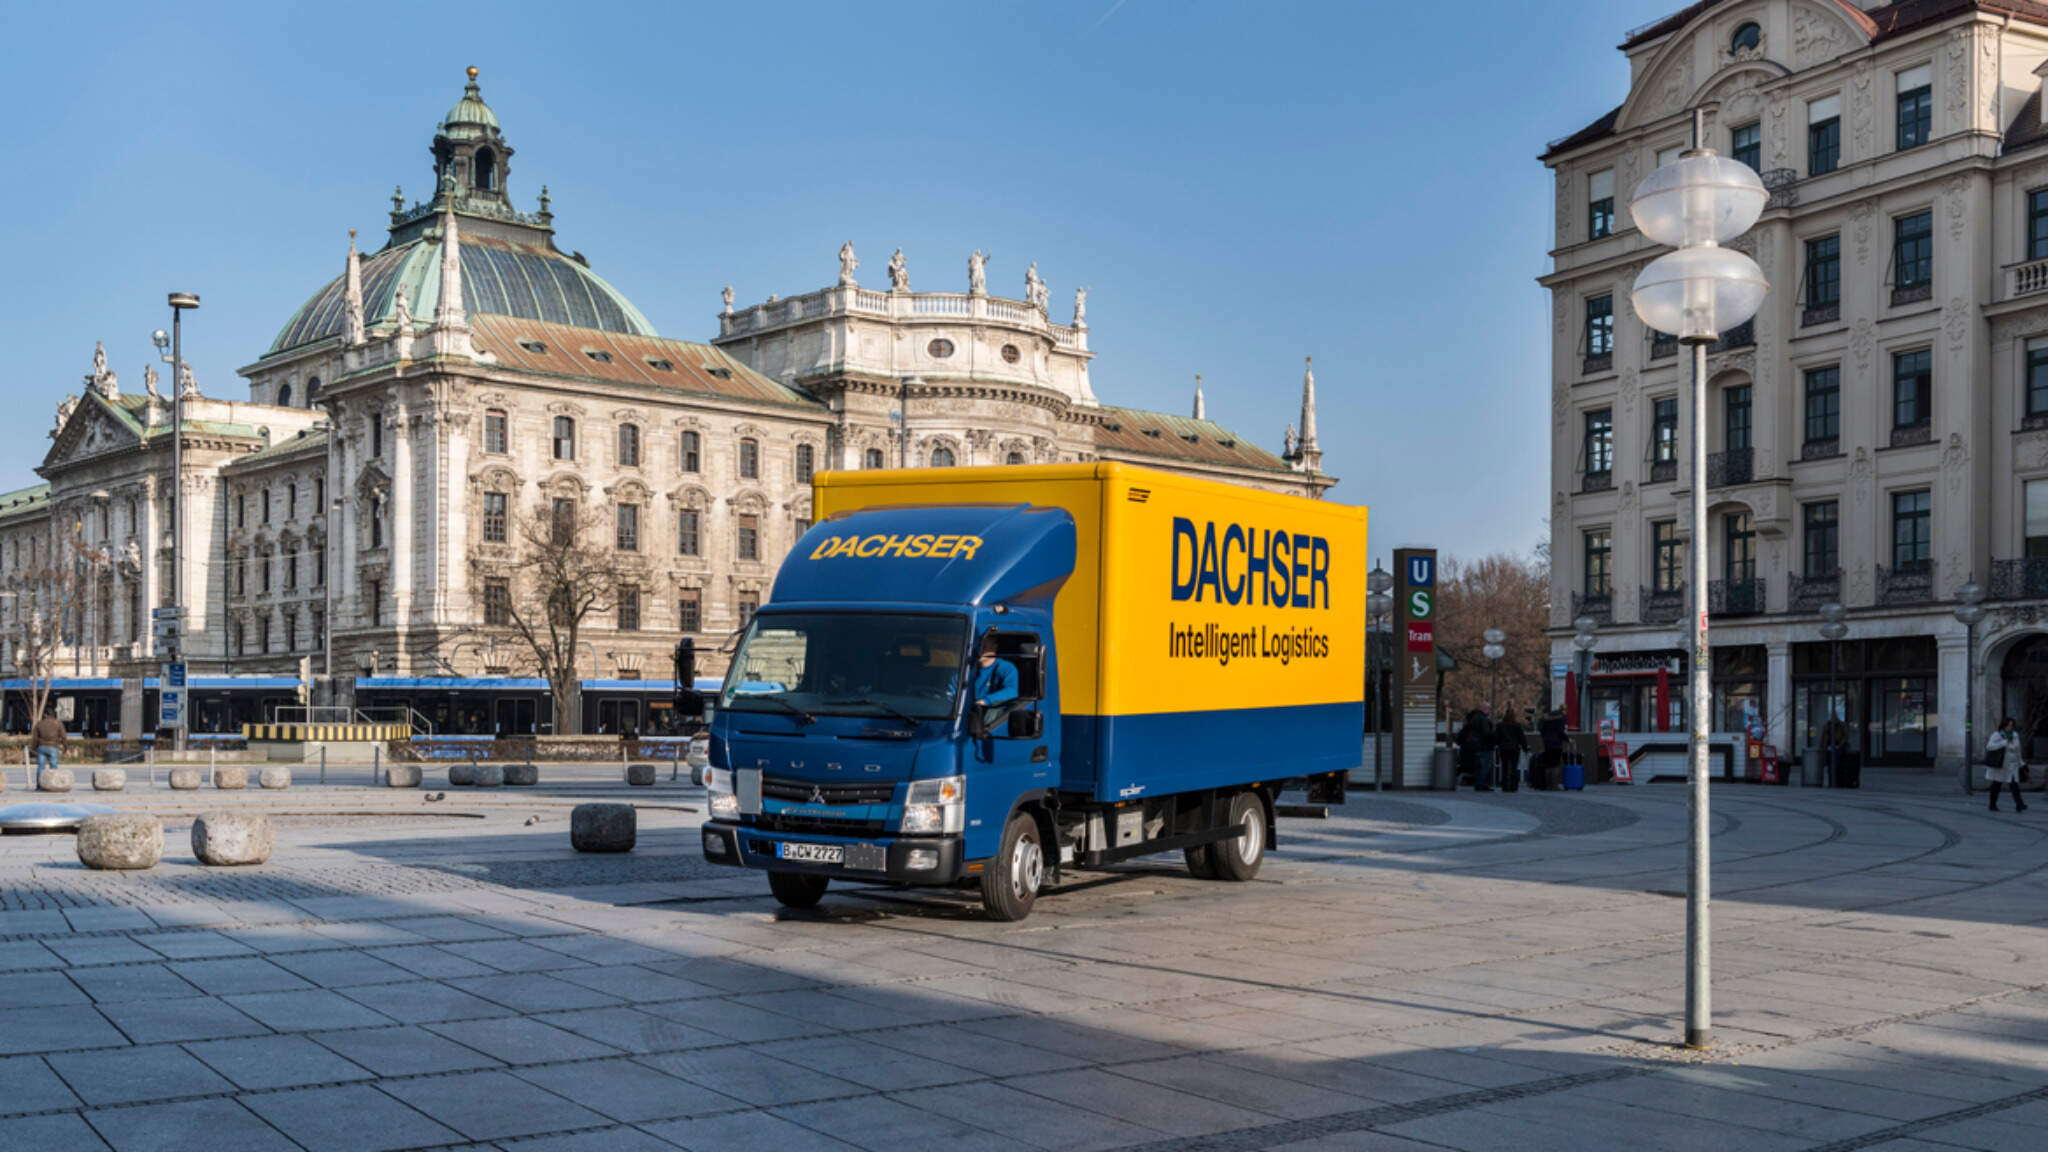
744, 847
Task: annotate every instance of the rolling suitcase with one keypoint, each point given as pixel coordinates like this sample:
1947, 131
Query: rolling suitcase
1574, 772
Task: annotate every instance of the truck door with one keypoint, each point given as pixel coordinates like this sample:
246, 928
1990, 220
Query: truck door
1016, 754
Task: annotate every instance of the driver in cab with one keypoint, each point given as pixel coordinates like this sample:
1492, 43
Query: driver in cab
995, 683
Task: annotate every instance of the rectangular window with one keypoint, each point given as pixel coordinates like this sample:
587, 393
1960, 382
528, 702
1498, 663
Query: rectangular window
494, 517
1824, 272
1823, 404
373, 591
689, 611
497, 603
750, 459
264, 504
1599, 551
562, 523
291, 570
263, 630
1600, 441
629, 445
1600, 204
1913, 250
565, 438
1599, 327
747, 604
2037, 519
749, 538
1668, 557
1916, 106
263, 570
872, 458
806, 463
803, 525
2037, 378
291, 631
691, 446
1823, 135
319, 564
2037, 224
1912, 529
377, 436
241, 577
1664, 431
1735, 418
629, 608
629, 528
319, 495
1738, 561
1823, 540
1745, 143
1912, 387
495, 437
241, 510
686, 533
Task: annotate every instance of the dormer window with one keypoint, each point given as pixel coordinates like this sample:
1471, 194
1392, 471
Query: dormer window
660, 365
1747, 38
487, 169
534, 346
599, 355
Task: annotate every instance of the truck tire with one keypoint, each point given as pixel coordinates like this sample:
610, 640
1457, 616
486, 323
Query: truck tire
1009, 886
797, 890
1238, 860
1201, 865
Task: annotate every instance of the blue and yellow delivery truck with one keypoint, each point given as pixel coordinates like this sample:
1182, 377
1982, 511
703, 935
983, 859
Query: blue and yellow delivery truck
1178, 648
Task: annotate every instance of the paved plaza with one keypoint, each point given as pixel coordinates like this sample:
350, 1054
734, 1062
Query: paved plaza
1421, 971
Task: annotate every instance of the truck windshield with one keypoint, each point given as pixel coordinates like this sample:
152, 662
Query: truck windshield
896, 665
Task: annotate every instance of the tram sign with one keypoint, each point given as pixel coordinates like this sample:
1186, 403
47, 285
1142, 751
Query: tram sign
171, 696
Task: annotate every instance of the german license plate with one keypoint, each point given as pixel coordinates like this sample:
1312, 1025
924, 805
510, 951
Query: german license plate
810, 853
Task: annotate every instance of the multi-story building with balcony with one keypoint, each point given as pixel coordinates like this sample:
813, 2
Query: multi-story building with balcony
1877, 435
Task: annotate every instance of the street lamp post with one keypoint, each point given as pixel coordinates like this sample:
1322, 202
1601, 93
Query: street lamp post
1832, 630
1496, 647
1584, 640
327, 578
1379, 608
180, 303
1970, 610
1696, 292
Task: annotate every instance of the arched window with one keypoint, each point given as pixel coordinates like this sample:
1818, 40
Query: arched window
565, 438
691, 453
284, 395
873, 458
376, 435
942, 457
312, 390
1746, 38
629, 445
806, 463
486, 170
1014, 458
291, 499
750, 459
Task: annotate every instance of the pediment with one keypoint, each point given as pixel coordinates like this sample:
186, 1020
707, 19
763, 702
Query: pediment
90, 431
1693, 63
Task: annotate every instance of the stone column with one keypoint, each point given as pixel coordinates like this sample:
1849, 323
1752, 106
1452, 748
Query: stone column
452, 479
1951, 667
401, 524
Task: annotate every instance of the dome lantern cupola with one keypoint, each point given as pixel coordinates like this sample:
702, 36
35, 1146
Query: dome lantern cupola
471, 158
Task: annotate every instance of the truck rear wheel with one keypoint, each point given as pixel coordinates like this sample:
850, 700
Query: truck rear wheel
1200, 864
1239, 859
796, 890
1009, 886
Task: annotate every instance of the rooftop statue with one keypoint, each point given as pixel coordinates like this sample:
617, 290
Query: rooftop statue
727, 296
401, 310
1080, 307
847, 263
99, 360
899, 271
187, 386
977, 272
149, 381
1034, 288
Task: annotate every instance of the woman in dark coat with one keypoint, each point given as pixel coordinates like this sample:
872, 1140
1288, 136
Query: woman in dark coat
1475, 747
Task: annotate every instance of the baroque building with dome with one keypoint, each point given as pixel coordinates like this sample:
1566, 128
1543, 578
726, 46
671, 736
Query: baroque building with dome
355, 521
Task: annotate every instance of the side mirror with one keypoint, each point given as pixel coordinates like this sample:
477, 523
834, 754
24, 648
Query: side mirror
977, 722
689, 704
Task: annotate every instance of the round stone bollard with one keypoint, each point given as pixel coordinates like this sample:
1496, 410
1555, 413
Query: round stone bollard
228, 838
522, 775
402, 775
603, 827
121, 840
490, 775
461, 775
230, 777
640, 775
186, 779
109, 779
274, 778
54, 780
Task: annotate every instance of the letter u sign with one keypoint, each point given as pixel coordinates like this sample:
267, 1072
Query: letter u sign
1421, 571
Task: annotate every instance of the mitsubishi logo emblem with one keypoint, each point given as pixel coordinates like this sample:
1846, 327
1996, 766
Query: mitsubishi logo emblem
817, 794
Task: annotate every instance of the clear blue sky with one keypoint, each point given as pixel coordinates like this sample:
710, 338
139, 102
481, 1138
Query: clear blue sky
1239, 185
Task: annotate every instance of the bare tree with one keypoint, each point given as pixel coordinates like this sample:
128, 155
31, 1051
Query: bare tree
559, 574
1502, 591
48, 603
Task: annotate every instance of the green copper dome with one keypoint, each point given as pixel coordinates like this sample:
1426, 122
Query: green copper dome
470, 116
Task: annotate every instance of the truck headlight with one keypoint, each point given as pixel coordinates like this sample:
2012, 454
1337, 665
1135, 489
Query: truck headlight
935, 806
718, 789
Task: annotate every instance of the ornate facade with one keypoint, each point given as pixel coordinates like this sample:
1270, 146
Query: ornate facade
1875, 435
469, 372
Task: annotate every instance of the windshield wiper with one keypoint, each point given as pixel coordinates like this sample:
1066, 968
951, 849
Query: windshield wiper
906, 717
802, 717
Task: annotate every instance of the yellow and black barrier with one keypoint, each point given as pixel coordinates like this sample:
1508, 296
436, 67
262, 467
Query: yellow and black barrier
336, 733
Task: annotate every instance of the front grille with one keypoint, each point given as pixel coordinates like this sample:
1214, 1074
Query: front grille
801, 792
826, 825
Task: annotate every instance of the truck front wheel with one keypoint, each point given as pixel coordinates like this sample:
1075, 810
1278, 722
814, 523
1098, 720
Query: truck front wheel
1009, 886
796, 890
1200, 866
1239, 859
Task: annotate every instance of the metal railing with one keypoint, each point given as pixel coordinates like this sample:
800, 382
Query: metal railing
1666, 607
1807, 594
1601, 481
1918, 432
1736, 466
1599, 606
1743, 335
2024, 579
1736, 597
1906, 583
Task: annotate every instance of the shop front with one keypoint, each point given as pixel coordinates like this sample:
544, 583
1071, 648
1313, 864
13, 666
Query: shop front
1883, 691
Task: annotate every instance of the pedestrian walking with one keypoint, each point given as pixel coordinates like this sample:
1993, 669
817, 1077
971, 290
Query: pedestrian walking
2002, 763
1510, 741
1552, 733
1475, 748
49, 738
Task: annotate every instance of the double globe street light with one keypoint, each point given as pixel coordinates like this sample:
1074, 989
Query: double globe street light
1695, 292
1379, 609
